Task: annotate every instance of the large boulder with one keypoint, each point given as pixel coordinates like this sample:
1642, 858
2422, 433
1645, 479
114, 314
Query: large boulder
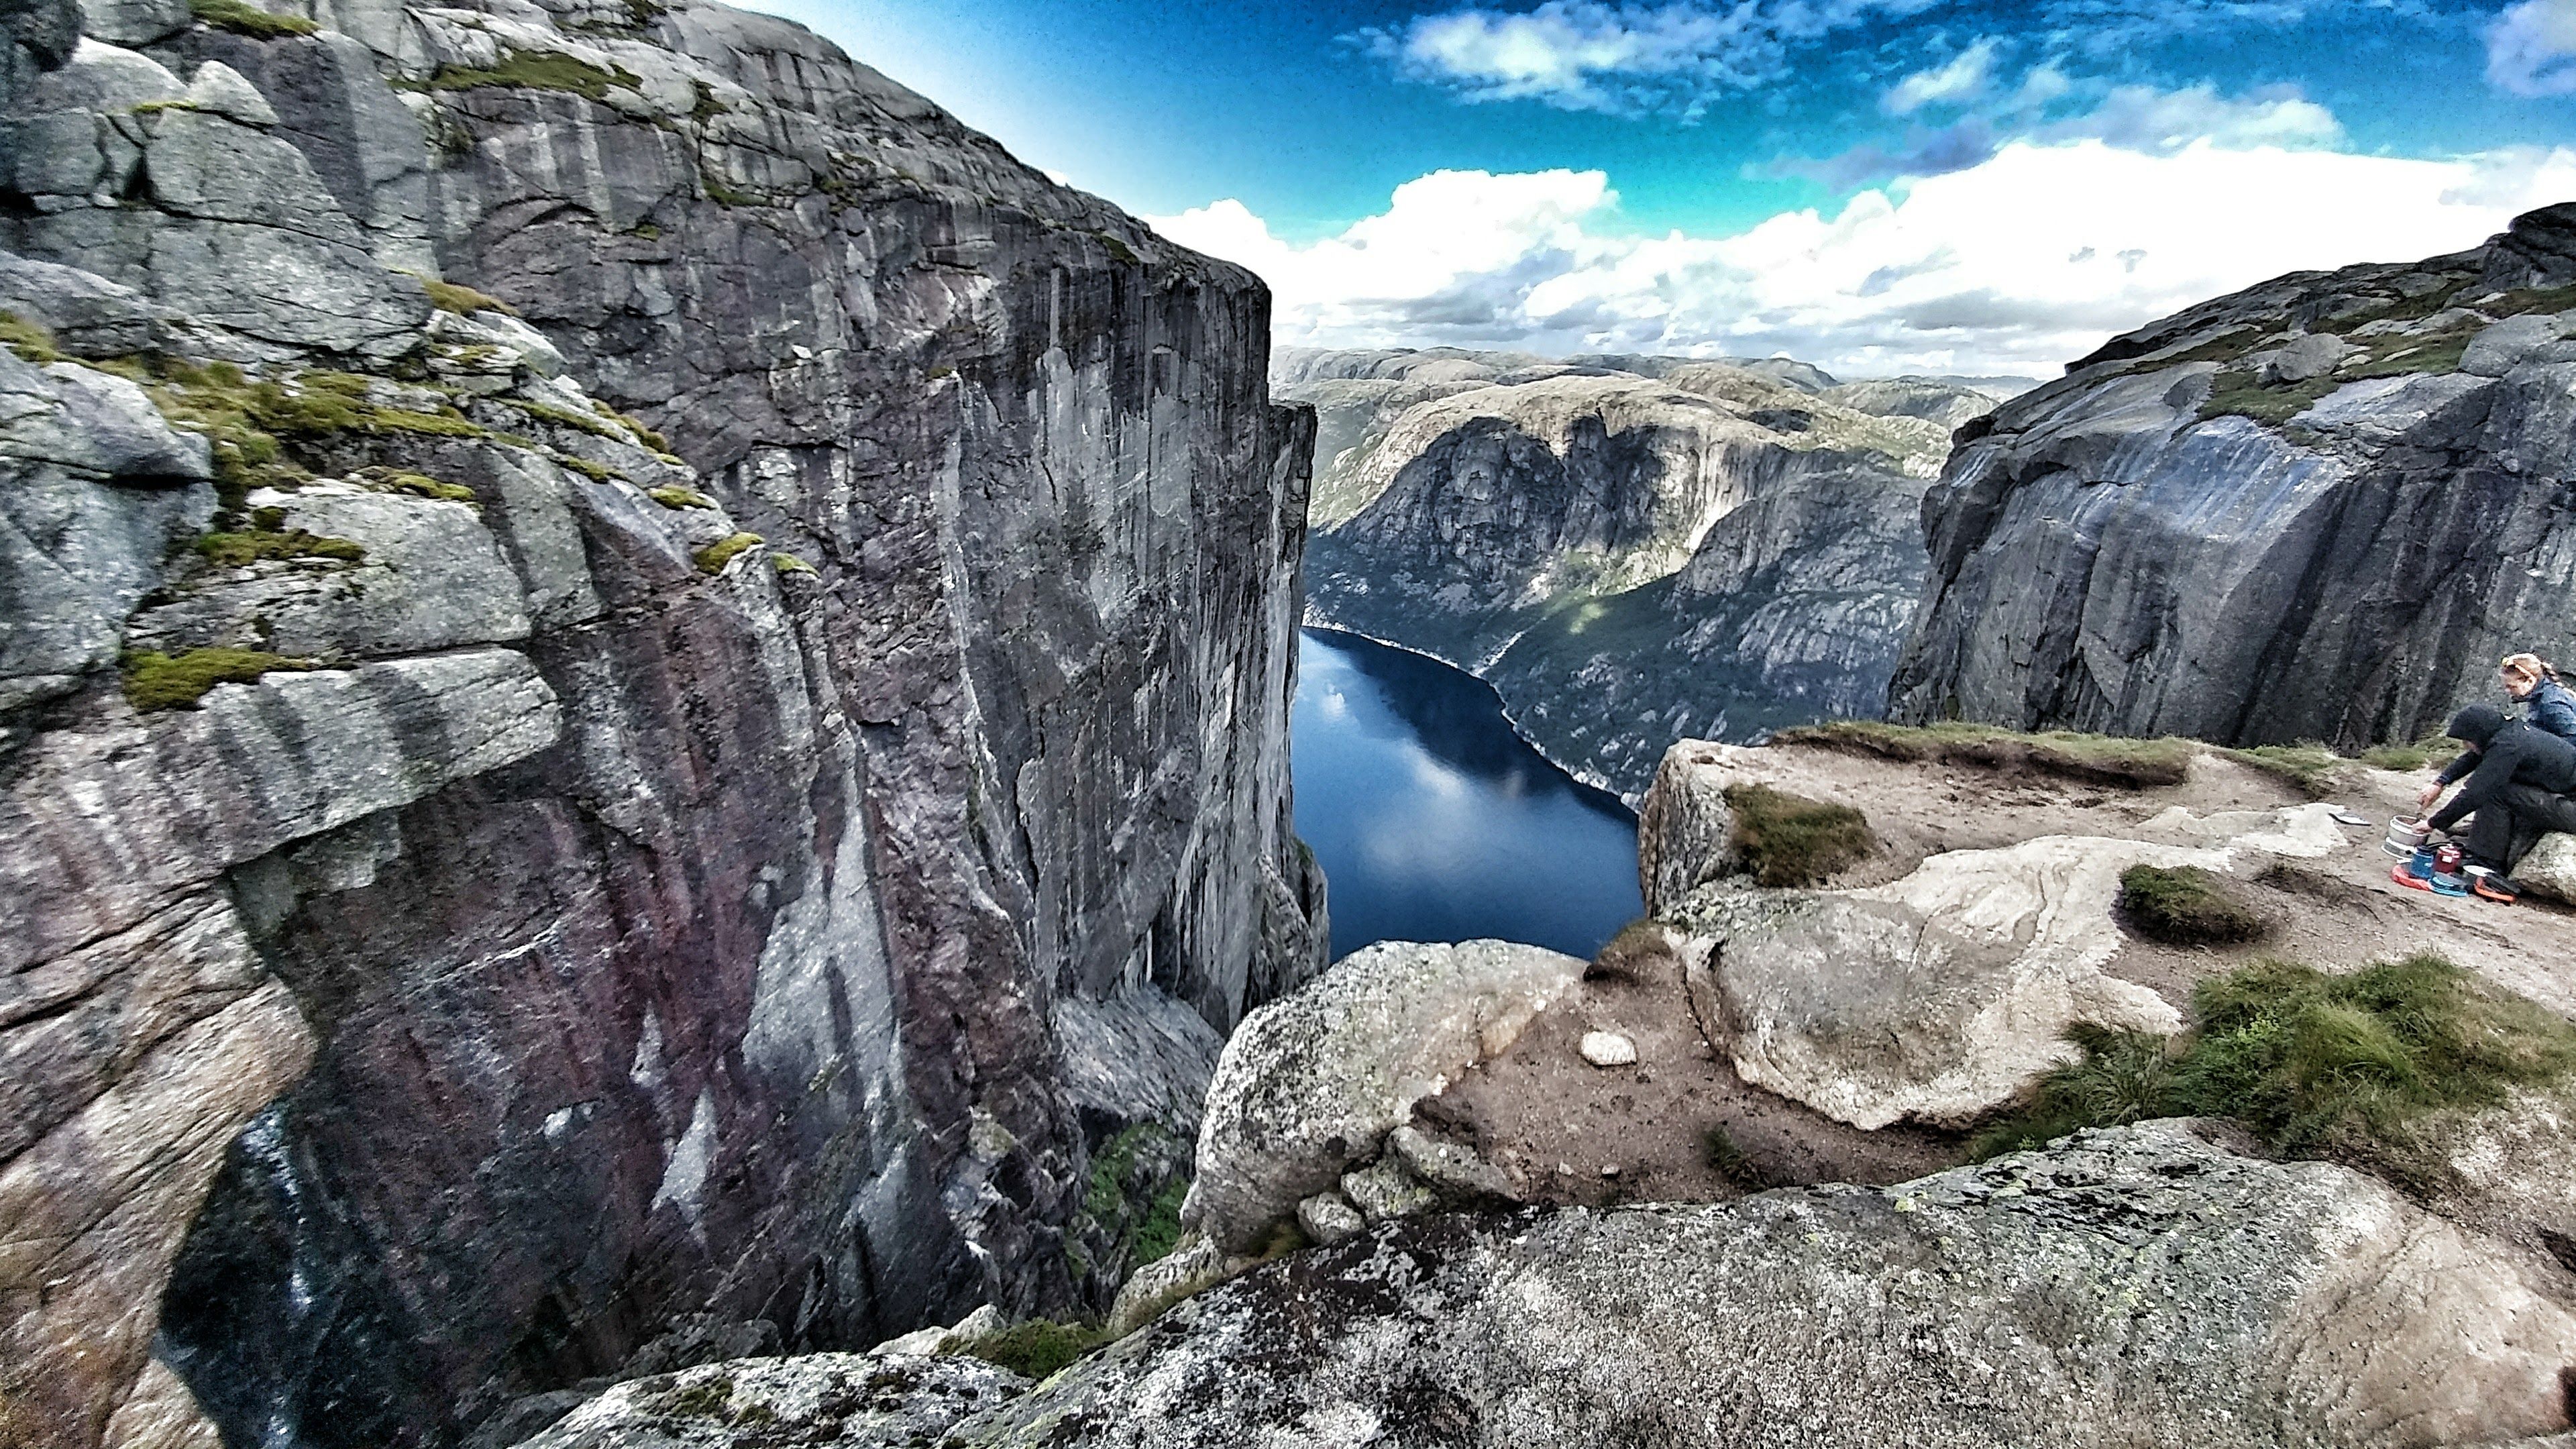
882, 1400
2134, 1286
1313, 1083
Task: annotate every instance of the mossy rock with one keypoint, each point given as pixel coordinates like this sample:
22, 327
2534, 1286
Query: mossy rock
677, 498
1036, 1349
2186, 906
1789, 840
463, 300
30, 340
157, 681
235, 550
250, 20
713, 558
543, 70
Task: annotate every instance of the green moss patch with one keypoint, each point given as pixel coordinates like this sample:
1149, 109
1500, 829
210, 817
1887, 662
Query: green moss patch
543, 70
1789, 840
155, 681
30, 340
676, 498
421, 485
595, 472
2186, 906
2314, 1064
2406, 759
713, 558
788, 563
1037, 1348
241, 549
463, 300
250, 20
597, 427
2094, 759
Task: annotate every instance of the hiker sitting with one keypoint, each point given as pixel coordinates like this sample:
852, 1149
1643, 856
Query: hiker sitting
2518, 778
2545, 702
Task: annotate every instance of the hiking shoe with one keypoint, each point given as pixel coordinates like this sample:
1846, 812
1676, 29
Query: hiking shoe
2493, 887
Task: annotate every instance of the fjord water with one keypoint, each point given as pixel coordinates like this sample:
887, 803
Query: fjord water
1434, 821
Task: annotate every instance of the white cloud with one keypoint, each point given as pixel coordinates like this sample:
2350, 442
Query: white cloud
2017, 264
2531, 48
1590, 55
1962, 79
2141, 118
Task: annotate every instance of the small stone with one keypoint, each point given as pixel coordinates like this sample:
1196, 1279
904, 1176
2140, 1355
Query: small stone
1608, 1049
1383, 1190
1454, 1172
1611, 1171
1328, 1218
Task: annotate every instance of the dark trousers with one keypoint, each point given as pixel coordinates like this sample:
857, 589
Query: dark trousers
2506, 828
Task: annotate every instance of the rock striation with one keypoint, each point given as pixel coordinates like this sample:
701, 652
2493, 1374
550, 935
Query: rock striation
2353, 476
704, 776
1627, 548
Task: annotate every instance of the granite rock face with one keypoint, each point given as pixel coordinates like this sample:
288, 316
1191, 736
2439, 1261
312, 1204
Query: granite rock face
709, 799
2355, 476
2140, 1285
1628, 548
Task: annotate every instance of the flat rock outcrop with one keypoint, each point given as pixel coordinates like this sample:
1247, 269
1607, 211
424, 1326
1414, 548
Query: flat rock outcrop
1627, 548
701, 777
2351, 476
1935, 997
2138, 1285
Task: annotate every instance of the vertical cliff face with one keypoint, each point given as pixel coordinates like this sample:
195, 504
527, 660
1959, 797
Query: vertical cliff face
2317, 509
730, 781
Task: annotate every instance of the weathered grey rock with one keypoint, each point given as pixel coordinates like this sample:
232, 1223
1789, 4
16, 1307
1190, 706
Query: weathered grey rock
220, 90
88, 314
863, 1401
1328, 1218
2309, 355
2131, 1286
134, 22
1384, 1191
2379, 525
1684, 827
1936, 997
1313, 1083
1456, 1174
2550, 869
101, 76
1945, 401
433, 578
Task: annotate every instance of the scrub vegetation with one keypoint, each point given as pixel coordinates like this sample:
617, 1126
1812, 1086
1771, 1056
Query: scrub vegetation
2094, 759
2312, 1064
250, 20
1788, 840
2187, 906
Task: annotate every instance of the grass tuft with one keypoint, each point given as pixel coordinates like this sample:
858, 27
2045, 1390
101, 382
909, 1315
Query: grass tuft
2405, 759
2094, 759
2307, 767
788, 563
2186, 906
1626, 956
713, 558
155, 681
250, 20
543, 70
463, 300
1730, 1162
30, 340
236, 550
2314, 1064
676, 498
1789, 840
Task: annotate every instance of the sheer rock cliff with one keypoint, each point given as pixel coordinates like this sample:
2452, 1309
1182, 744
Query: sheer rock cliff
697, 779
2357, 477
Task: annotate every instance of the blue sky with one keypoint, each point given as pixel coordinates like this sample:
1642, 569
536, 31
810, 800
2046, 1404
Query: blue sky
1653, 173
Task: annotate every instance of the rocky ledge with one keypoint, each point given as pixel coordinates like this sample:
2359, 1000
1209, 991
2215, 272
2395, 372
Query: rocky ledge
703, 790
2355, 476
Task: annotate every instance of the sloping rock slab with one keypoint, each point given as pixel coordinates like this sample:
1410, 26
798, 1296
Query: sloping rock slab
1309, 1084
2134, 1286
1934, 998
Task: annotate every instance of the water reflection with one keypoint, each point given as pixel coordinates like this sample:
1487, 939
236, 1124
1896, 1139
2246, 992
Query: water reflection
1434, 822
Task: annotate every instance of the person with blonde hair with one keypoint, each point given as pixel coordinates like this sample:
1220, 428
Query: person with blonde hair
2545, 702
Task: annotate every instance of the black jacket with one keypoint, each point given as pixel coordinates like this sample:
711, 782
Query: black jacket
2504, 752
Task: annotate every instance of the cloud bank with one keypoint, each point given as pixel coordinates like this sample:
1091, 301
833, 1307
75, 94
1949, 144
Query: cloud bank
2531, 48
2017, 263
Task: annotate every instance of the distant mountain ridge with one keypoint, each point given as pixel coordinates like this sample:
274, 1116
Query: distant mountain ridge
1629, 548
